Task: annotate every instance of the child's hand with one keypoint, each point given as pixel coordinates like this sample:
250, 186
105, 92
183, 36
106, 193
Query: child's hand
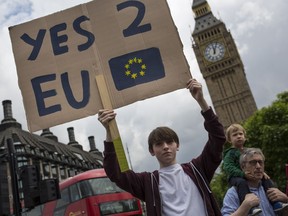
249, 176
265, 176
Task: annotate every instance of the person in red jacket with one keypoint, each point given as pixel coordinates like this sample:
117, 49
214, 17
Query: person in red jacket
174, 189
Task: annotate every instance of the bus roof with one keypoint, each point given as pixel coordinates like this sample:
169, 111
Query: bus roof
95, 173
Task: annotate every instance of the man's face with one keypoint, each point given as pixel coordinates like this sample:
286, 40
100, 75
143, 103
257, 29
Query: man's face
237, 139
165, 153
255, 166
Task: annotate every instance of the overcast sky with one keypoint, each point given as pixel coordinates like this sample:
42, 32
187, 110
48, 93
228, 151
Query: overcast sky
258, 26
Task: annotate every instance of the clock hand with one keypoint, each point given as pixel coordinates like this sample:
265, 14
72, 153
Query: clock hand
214, 48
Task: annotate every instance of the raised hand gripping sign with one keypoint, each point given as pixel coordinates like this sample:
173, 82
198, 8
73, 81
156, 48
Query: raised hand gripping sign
133, 44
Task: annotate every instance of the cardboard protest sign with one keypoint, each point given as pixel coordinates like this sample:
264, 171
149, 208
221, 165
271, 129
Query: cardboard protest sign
133, 44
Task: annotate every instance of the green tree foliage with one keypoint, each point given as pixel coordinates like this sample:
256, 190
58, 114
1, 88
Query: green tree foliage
219, 186
267, 129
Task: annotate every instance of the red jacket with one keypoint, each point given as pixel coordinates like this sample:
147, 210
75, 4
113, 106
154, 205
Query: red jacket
201, 170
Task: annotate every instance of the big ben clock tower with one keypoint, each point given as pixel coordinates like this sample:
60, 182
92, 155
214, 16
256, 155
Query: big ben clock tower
221, 67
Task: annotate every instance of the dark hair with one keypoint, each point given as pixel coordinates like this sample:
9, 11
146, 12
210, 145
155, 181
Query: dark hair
162, 134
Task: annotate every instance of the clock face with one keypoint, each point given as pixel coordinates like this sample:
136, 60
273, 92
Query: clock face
214, 52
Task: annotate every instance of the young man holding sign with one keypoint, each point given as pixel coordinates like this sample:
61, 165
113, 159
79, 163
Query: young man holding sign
174, 189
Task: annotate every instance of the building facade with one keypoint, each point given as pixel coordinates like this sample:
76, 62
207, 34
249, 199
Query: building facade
52, 158
221, 66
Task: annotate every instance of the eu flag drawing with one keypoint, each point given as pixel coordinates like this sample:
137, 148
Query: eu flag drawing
136, 68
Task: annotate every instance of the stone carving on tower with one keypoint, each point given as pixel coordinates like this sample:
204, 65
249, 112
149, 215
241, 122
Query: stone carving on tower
221, 66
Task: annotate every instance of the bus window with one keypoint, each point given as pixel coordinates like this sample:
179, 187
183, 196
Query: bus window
62, 203
36, 211
104, 186
85, 189
117, 207
74, 193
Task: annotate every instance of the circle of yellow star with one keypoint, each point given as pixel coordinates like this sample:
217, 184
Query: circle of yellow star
135, 75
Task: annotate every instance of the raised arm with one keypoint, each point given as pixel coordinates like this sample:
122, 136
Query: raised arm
211, 156
195, 89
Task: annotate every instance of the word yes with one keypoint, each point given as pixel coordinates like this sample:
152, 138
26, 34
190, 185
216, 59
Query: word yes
57, 39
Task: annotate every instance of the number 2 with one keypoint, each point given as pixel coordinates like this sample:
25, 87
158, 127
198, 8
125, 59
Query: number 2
134, 27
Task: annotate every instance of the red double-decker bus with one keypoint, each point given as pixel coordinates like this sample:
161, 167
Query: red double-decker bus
90, 193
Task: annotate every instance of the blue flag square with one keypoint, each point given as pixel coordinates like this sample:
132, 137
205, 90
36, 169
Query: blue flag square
136, 68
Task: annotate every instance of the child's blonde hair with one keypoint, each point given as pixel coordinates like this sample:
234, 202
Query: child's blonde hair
234, 128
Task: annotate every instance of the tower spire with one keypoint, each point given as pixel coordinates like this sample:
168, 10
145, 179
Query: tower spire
200, 7
204, 18
196, 3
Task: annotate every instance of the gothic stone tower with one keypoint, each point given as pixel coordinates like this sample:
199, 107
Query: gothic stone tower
221, 66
